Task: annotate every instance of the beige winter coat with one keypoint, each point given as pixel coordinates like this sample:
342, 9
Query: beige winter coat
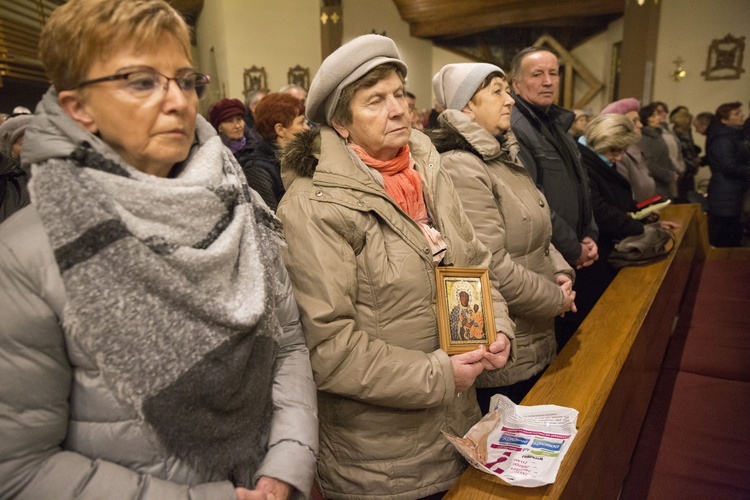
364, 280
511, 217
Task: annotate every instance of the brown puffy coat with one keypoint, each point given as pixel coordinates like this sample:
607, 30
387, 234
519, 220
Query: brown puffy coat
363, 277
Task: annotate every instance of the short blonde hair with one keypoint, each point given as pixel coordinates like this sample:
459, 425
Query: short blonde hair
682, 121
610, 132
81, 31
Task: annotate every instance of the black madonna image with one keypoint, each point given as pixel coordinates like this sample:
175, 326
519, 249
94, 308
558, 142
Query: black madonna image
464, 308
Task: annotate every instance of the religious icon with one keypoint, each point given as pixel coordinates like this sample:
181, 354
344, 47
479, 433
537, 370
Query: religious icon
465, 316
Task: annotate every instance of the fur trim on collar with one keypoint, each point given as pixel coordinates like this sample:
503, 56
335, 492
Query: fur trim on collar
446, 139
300, 157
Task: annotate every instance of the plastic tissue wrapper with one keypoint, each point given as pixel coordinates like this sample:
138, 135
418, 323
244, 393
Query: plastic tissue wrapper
522, 445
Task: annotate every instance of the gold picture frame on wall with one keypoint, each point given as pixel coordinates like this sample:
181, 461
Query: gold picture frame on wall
725, 58
254, 78
299, 76
466, 318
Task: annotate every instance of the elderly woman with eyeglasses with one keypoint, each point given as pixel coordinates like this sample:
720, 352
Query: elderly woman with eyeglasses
368, 214
150, 344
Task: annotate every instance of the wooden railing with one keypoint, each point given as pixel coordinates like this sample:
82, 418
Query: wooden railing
608, 372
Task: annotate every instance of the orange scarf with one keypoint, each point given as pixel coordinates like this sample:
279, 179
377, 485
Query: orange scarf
402, 182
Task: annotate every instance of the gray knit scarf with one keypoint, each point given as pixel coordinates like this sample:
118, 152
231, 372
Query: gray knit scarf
171, 287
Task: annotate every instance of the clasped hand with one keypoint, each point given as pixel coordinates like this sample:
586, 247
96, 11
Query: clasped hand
267, 488
589, 253
566, 286
467, 366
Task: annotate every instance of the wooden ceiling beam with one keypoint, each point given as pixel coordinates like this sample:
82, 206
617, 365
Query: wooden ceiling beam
432, 18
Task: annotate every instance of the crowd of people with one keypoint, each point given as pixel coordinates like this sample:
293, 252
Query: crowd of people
243, 304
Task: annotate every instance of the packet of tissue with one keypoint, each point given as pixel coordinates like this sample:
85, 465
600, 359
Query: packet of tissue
522, 445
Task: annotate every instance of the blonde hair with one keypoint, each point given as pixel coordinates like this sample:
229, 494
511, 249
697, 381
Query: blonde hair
81, 31
610, 132
682, 121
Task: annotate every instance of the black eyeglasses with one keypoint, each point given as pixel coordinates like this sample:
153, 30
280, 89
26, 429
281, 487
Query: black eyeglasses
145, 83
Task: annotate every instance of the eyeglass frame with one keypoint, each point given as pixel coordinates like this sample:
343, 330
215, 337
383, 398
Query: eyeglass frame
124, 76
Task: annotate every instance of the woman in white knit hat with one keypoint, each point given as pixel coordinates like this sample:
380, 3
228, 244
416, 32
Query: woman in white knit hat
368, 214
508, 213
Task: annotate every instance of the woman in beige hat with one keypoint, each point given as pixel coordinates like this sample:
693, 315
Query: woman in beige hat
509, 214
368, 214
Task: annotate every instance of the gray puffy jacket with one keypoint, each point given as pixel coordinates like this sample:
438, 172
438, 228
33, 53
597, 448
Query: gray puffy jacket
62, 432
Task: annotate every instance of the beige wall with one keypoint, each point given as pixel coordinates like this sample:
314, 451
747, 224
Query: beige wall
686, 30
363, 16
596, 55
276, 35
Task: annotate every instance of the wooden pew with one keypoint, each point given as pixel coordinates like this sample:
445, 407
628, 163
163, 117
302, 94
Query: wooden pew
701, 403
608, 372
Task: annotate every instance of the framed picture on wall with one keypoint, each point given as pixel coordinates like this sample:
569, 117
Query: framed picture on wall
299, 76
466, 318
725, 58
254, 78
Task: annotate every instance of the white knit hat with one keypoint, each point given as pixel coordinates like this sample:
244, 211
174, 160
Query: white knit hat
455, 84
345, 65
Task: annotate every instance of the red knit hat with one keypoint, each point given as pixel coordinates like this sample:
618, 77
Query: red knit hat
224, 110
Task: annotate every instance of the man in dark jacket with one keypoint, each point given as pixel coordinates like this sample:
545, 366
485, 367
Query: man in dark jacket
551, 156
552, 159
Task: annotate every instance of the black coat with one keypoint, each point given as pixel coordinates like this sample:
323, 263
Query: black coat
262, 168
552, 159
729, 158
612, 199
14, 194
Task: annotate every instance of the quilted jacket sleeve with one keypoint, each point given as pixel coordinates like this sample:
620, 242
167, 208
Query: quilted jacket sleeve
293, 441
526, 292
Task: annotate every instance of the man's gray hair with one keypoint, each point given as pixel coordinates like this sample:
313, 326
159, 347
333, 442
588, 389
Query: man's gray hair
253, 97
515, 65
286, 88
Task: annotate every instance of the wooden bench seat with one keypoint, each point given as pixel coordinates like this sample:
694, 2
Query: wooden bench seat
694, 440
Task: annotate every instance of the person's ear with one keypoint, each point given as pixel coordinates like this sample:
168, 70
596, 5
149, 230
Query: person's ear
469, 110
280, 130
71, 101
343, 131
514, 84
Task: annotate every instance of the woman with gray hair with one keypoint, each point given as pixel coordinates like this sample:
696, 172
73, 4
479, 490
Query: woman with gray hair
368, 214
602, 146
633, 164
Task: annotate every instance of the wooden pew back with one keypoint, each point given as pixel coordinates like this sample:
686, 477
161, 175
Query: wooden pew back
608, 372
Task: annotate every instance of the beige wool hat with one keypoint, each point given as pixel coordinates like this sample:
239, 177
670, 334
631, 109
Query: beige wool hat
347, 64
455, 84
